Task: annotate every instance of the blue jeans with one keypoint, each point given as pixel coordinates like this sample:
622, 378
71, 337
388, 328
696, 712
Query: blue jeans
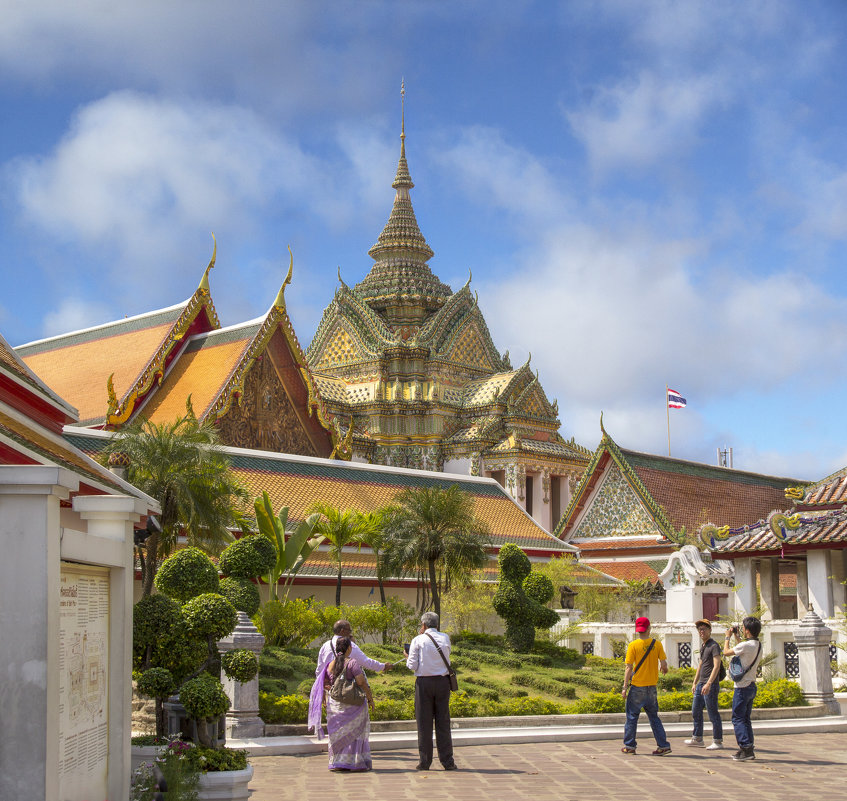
742, 705
639, 698
709, 701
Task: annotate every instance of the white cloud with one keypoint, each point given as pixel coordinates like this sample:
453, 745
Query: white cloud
145, 179
641, 122
74, 314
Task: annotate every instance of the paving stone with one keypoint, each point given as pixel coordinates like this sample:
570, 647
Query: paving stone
799, 766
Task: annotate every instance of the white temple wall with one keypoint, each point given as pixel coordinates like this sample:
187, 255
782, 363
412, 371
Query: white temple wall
461, 466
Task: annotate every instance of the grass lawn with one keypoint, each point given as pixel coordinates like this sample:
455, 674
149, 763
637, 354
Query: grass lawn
492, 682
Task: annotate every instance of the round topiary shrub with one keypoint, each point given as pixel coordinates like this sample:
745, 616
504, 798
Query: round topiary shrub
240, 665
152, 618
242, 593
156, 682
187, 573
210, 615
251, 556
203, 697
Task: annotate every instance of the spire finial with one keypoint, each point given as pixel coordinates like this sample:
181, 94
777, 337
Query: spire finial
402, 118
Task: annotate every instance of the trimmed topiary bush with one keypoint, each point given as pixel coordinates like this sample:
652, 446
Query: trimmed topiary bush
240, 665
520, 599
210, 615
242, 593
204, 698
187, 573
248, 557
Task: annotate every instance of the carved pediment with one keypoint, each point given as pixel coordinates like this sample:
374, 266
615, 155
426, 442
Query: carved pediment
265, 418
341, 346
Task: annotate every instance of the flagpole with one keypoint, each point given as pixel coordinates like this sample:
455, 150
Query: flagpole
668, 410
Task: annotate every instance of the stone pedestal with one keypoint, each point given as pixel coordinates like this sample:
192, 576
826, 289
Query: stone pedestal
813, 638
242, 720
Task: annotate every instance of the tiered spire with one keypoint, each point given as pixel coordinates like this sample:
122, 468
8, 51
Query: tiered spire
400, 275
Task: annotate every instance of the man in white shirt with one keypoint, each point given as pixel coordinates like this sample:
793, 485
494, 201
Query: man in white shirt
342, 628
749, 652
432, 692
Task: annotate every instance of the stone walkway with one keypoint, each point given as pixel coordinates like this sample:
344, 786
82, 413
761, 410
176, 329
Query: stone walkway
801, 767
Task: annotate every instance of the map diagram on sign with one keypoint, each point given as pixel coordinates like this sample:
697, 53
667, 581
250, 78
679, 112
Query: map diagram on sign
85, 661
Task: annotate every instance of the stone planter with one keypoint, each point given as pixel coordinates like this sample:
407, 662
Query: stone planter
143, 753
225, 785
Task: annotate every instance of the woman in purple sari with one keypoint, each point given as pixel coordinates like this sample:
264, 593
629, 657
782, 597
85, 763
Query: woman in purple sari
348, 725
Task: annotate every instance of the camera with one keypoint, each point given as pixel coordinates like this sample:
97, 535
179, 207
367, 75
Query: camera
735, 630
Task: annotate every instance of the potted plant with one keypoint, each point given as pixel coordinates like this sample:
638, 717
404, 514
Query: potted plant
175, 653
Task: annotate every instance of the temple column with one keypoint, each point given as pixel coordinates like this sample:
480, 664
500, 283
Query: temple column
769, 586
820, 587
745, 585
802, 589
838, 577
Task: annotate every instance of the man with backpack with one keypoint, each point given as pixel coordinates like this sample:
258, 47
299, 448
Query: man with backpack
746, 655
706, 686
644, 658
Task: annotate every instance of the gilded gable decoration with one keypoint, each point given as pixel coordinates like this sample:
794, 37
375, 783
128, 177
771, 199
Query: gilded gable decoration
120, 411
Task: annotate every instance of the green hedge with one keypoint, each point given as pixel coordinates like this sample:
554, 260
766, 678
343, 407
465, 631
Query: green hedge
283, 709
550, 686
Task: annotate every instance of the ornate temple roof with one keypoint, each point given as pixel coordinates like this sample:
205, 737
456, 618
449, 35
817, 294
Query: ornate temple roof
628, 570
107, 370
826, 493
781, 533
31, 421
400, 273
676, 493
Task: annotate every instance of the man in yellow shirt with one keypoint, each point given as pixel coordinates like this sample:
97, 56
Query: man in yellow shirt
645, 657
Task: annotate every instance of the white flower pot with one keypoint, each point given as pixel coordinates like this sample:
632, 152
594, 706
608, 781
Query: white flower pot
225, 785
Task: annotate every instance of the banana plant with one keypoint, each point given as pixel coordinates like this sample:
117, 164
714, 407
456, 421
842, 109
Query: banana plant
291, 553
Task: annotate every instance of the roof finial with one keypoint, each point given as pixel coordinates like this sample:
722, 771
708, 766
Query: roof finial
204, 281
280, 298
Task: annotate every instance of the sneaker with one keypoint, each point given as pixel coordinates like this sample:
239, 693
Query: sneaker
695, 741
662, 751
627, 750
716, 745
744, 755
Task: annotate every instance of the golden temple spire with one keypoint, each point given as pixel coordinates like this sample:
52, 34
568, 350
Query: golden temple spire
280, 298
204, 281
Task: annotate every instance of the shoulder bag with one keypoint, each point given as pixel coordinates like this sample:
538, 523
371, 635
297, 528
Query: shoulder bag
347, 690
451, 674
737, 671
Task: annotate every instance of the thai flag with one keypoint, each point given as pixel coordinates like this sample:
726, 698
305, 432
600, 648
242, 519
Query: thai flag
675, 400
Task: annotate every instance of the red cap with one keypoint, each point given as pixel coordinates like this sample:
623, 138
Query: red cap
642, 624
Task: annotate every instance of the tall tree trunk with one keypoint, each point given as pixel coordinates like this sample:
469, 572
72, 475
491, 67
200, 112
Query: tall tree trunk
433, 588
338, 587
150, 564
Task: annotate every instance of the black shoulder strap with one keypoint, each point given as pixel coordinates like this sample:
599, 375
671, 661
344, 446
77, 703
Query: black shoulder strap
440, 652
641, 662
755, 658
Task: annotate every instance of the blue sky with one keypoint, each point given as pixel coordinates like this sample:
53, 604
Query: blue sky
646, 193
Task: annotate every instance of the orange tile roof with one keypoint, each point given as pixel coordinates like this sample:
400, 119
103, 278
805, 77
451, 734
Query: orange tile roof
627, 571
816, 529
201, 371
830, 490
692, 493
299, 481
77, 366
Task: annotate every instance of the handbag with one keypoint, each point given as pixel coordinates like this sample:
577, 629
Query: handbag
737, 671
347, 691
451, 674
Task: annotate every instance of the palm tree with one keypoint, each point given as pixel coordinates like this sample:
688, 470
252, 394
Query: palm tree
434, 532
375, 536
179, 465
340, 528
